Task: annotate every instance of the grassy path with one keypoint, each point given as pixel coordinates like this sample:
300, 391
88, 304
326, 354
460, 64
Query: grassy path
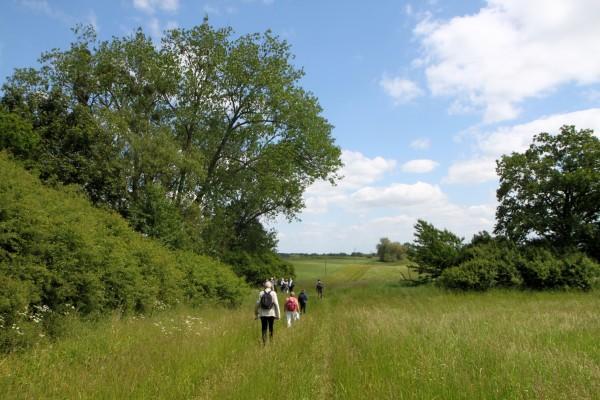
370, 337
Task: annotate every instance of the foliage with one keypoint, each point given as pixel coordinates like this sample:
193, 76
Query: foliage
543, 269
59, 253
17, 136
210, 126
473, 274
552, 191
434, 250
488, 262
388, 251
256, 268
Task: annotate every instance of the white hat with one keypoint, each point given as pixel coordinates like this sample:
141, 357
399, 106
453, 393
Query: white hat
268, 285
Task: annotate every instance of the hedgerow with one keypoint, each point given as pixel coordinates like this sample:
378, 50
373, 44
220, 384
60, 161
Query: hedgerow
60, 255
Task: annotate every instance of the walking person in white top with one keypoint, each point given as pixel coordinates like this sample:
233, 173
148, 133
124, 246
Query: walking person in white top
267, 308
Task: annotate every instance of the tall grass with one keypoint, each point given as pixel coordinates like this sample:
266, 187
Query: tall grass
371, 336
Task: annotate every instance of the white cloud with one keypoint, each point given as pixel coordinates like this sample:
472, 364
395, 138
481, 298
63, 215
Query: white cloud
399, 195
419, 166
505, 140
150, 6
421, 143
401, 90
509, 51
358, 171
476, 170
489, 146
362, 233
43, 7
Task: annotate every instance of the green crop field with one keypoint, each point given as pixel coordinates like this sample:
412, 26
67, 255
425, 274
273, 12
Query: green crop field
372, 336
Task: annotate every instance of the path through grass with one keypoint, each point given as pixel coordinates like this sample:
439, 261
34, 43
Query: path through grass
370, 337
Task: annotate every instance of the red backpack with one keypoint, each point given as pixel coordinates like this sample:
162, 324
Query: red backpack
291, 305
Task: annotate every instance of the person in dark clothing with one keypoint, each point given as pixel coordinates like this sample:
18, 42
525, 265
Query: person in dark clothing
319, 288
302, 299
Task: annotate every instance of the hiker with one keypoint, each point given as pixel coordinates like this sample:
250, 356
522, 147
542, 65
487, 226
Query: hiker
291, 284
291, 309
273, 283
302, 299
267, 308
320, 287
285, 287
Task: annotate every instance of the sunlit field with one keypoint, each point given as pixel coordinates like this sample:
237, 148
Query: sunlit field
372, 336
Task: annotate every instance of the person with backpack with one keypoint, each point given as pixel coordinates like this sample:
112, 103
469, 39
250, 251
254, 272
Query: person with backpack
291, 309
291, 284
267, 308
302, 299
319, 288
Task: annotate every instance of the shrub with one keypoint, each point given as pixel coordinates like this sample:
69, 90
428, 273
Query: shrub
474, 274
59, 252
579, 271
542, 269
503, 255
256, 268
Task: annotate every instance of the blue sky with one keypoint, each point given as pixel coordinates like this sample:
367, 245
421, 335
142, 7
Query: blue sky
424, 95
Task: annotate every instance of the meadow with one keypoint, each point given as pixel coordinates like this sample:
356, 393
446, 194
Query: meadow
372, 336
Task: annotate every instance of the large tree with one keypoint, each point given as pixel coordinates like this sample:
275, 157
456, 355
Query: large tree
218, 126
552, 191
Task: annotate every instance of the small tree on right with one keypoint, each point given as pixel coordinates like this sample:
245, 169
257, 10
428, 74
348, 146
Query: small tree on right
552, 191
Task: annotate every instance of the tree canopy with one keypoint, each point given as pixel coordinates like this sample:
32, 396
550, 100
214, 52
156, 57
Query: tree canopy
195, 141
434, 250
552, 191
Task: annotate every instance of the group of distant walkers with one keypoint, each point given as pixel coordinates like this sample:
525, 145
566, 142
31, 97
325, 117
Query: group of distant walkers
267, 306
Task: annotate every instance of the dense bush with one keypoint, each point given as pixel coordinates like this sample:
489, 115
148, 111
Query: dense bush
256, 268
543, 269
60, 254
489, 262
474, 274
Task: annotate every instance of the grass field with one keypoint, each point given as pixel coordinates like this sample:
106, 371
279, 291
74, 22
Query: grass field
370, 337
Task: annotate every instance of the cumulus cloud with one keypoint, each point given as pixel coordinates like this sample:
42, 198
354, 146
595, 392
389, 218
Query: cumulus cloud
419, 166
400, 90
489, 146
476, 170
150, 6
511, 50
358, 171
399, 195
420, 144
363, 233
